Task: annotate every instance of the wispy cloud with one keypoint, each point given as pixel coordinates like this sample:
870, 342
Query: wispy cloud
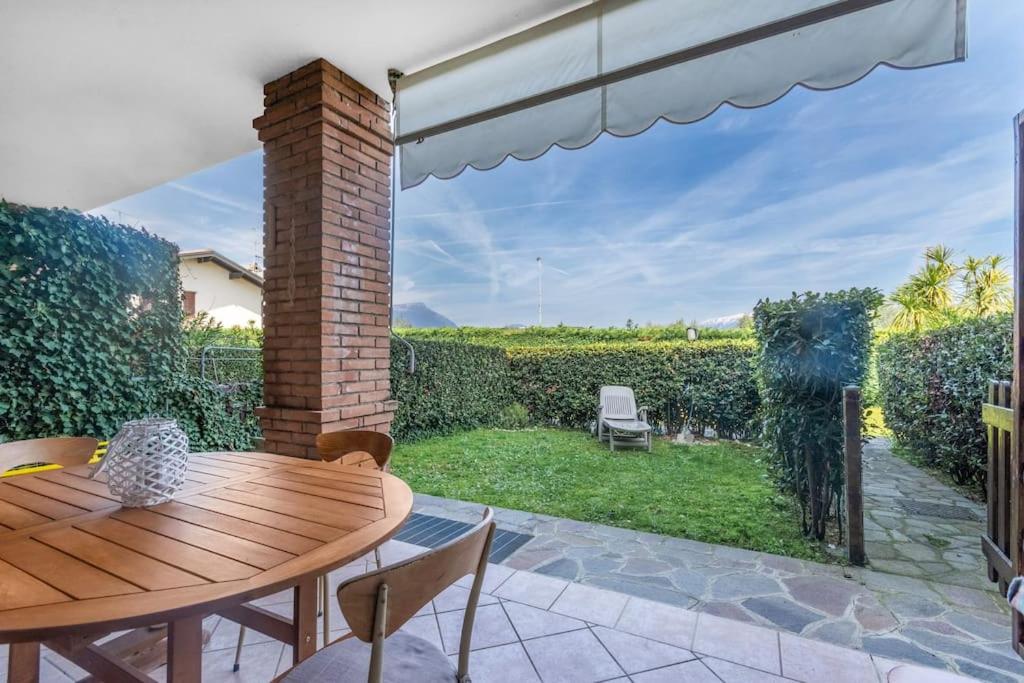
216, 199
818, 191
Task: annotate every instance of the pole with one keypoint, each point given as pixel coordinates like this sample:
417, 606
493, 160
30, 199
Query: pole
540, 292
1017, 392
854, 483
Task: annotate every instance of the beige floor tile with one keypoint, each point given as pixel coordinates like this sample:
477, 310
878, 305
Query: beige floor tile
735, 641
689, 672
812, 660
258, 661
533, 622
279, 598
635, 654
456, 597
491, 627
425, 627
502, 663
658, 621
595, 605
396, 551
737, 673
910, 673
532, 589
495, 575
225, 636
574, 657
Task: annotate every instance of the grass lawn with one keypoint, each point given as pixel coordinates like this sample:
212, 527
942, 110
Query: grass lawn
716, 493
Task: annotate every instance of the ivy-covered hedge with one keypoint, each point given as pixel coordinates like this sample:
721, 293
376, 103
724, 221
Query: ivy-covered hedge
455, 386
91, 334
711, 381
811, 346
87, 308
932, 385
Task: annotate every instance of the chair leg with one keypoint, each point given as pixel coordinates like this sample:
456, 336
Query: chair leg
325, 602
376, 556
238, 649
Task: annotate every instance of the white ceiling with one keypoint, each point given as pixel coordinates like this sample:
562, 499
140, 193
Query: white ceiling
103, 99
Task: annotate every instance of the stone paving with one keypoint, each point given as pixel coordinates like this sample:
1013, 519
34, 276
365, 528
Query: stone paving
535, 628
943, 549
921, 601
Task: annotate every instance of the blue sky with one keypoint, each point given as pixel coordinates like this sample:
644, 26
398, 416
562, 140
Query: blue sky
819, 191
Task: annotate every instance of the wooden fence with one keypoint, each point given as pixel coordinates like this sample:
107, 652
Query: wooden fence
998, 418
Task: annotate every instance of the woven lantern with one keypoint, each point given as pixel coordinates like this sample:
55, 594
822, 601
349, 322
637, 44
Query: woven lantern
146, 462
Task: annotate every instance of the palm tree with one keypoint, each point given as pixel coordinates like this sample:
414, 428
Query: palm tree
986, 285
913, 312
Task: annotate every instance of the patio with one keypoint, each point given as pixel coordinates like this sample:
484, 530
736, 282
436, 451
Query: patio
328, 138
533, 627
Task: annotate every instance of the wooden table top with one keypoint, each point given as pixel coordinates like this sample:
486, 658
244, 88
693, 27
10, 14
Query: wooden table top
72, 560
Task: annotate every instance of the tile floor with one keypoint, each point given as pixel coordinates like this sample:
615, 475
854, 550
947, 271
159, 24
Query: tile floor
532, 627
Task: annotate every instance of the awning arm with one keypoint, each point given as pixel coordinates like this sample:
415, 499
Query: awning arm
821, 14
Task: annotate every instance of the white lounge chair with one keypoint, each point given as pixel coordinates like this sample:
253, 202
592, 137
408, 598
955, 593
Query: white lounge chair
620, 421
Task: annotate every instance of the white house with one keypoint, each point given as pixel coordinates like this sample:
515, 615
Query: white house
213, 284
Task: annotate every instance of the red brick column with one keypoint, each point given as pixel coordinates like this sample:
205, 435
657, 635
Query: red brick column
326, 162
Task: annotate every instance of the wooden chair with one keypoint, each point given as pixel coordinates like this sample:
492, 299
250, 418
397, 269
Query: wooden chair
354, 447
63, 451
377, 604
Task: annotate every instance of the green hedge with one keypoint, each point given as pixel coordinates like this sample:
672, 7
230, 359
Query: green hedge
563, 335
932, 385
455, 386
711, 381
92, 337
88, 307
812, 345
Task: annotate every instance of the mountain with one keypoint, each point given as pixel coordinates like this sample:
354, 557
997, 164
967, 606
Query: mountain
725, 322
420, 315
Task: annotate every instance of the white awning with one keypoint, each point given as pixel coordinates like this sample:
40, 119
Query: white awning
620, 65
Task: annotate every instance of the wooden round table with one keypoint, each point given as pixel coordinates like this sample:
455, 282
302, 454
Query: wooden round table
76, 566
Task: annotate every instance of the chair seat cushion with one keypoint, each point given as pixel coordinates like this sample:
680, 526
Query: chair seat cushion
406, 658
636, 426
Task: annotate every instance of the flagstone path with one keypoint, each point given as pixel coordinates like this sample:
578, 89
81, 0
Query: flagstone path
925, 598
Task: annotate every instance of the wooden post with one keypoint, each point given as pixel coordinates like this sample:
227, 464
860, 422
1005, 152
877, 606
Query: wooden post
854, 483
1016, 447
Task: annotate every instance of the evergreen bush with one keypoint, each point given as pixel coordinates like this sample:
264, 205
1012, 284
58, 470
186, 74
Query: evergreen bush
932, 385
811, 346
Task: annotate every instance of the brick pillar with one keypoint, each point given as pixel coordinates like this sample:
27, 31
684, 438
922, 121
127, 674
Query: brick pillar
326, 162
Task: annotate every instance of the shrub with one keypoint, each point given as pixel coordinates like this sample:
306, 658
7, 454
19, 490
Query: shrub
563, 335
88, 307
456, 386
215, 417
223, 354
92, 334
811, 346
932, 385
514, 416
712, 381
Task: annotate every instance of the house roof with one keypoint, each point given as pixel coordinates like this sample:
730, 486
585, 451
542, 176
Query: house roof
104, 100
233, 267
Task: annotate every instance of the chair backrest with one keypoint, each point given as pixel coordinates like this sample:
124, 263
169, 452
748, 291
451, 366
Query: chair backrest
63, 451
377, 604
353, 446
618, 403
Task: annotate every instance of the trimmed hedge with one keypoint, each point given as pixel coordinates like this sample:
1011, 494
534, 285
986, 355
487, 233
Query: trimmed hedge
932, 385
563, 335
812, 345
92, 336
712, 382
456, 386
88, 307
